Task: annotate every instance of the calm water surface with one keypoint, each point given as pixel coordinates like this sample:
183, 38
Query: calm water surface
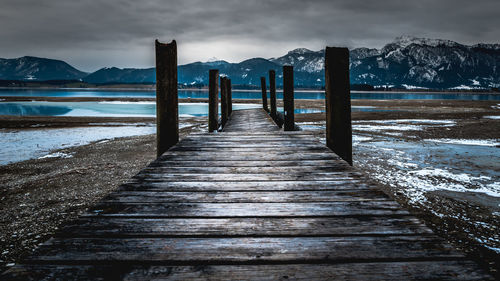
243, 94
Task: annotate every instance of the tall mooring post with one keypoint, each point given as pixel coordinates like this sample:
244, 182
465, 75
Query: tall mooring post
167, 111
223, 100
289, 124
338, 102
213, 100
264, 93
229, 98
272, 92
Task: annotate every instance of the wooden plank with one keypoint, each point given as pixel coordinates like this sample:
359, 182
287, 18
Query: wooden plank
340, 183
272, 144
247, 249
240, 177
245, 196
243, 148
320, 226
242, 163
322, 209
167, 112
380, 271
286, 156
242, 170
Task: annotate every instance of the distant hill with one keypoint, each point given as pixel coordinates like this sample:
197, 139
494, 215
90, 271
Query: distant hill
407, 62
38, 69
127, 75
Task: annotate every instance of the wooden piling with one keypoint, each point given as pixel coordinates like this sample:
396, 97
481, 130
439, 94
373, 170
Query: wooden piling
264, 93
338, 102
213, 100
167, 111
223, 100
229, 98
289, 124
272, 92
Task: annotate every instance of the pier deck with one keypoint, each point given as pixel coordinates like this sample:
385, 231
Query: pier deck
251, 202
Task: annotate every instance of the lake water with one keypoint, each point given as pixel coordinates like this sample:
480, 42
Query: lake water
243, 94
118, 109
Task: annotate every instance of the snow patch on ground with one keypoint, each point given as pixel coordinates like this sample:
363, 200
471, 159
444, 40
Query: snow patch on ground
56, 155
375, 128
496, 117
489, 142
358, 138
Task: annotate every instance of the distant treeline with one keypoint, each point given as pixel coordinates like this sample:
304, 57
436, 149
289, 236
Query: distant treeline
81, 84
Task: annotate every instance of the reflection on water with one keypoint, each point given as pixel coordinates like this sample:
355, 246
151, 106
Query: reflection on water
242, 94
119, 109
103, 109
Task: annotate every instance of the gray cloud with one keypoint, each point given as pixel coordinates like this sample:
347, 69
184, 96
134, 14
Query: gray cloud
97, 33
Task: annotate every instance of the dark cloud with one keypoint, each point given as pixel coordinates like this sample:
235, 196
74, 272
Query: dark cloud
97, 33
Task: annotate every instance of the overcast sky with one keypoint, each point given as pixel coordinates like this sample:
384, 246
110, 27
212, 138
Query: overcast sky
93, 34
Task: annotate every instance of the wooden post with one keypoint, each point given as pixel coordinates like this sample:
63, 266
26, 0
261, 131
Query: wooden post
223, 100
229, 98
213, 100
288, 98
167, 111
338, 102
264, 93
272, 92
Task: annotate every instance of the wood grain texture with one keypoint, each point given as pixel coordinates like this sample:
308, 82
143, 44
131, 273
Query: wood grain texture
381, 271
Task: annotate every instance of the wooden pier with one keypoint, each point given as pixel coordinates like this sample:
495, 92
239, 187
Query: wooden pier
248, 201
251, 202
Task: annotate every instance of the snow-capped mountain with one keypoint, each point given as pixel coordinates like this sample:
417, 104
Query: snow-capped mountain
406, 62
39, 69
432, 63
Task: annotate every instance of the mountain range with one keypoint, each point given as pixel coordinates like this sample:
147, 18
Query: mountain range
407, 62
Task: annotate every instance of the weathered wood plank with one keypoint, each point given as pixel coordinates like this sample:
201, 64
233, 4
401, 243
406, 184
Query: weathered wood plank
349, 208
288, 156
381, 271
242, 163
341, 183
248, 249
251, 148
243, 170
327, 176
320, 226
245, 196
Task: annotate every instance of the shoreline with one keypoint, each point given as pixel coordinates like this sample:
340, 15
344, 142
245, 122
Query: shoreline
153, 89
